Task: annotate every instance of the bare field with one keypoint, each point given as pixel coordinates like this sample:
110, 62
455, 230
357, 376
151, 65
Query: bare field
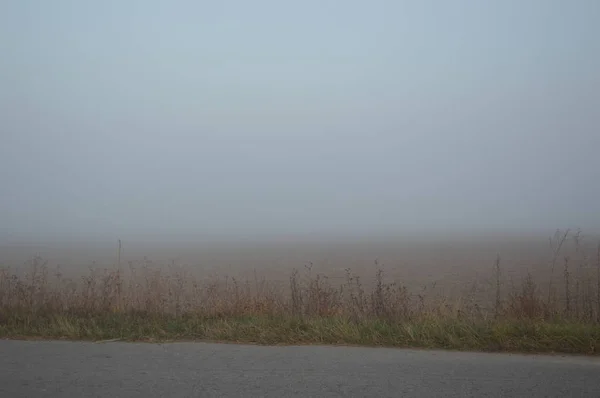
452, 268
440, 264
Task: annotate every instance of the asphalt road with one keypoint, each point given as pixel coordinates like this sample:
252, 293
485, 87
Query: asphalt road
114, 369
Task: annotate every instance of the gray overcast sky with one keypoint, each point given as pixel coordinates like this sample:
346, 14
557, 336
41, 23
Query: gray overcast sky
167, 119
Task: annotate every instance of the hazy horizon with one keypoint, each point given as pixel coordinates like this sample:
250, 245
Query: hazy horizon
188, 121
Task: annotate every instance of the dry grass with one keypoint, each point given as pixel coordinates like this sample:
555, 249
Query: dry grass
149, 303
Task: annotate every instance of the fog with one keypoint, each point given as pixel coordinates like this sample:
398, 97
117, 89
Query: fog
235, 120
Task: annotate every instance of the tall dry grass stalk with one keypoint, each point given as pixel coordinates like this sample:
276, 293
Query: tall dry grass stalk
498, 302
598, 283
567, 289
556, 244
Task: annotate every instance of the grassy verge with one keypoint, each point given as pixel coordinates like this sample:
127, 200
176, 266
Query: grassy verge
561, 315
492, 336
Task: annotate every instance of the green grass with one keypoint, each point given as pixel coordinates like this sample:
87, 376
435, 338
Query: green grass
493, 336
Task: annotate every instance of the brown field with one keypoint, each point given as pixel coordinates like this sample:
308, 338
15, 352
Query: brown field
453, 267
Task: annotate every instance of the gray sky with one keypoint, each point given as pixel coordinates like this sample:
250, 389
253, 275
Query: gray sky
171, 119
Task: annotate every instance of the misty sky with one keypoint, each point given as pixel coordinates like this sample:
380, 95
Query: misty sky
167, 119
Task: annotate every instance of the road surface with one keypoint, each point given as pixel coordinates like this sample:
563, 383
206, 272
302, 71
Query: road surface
115, 369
